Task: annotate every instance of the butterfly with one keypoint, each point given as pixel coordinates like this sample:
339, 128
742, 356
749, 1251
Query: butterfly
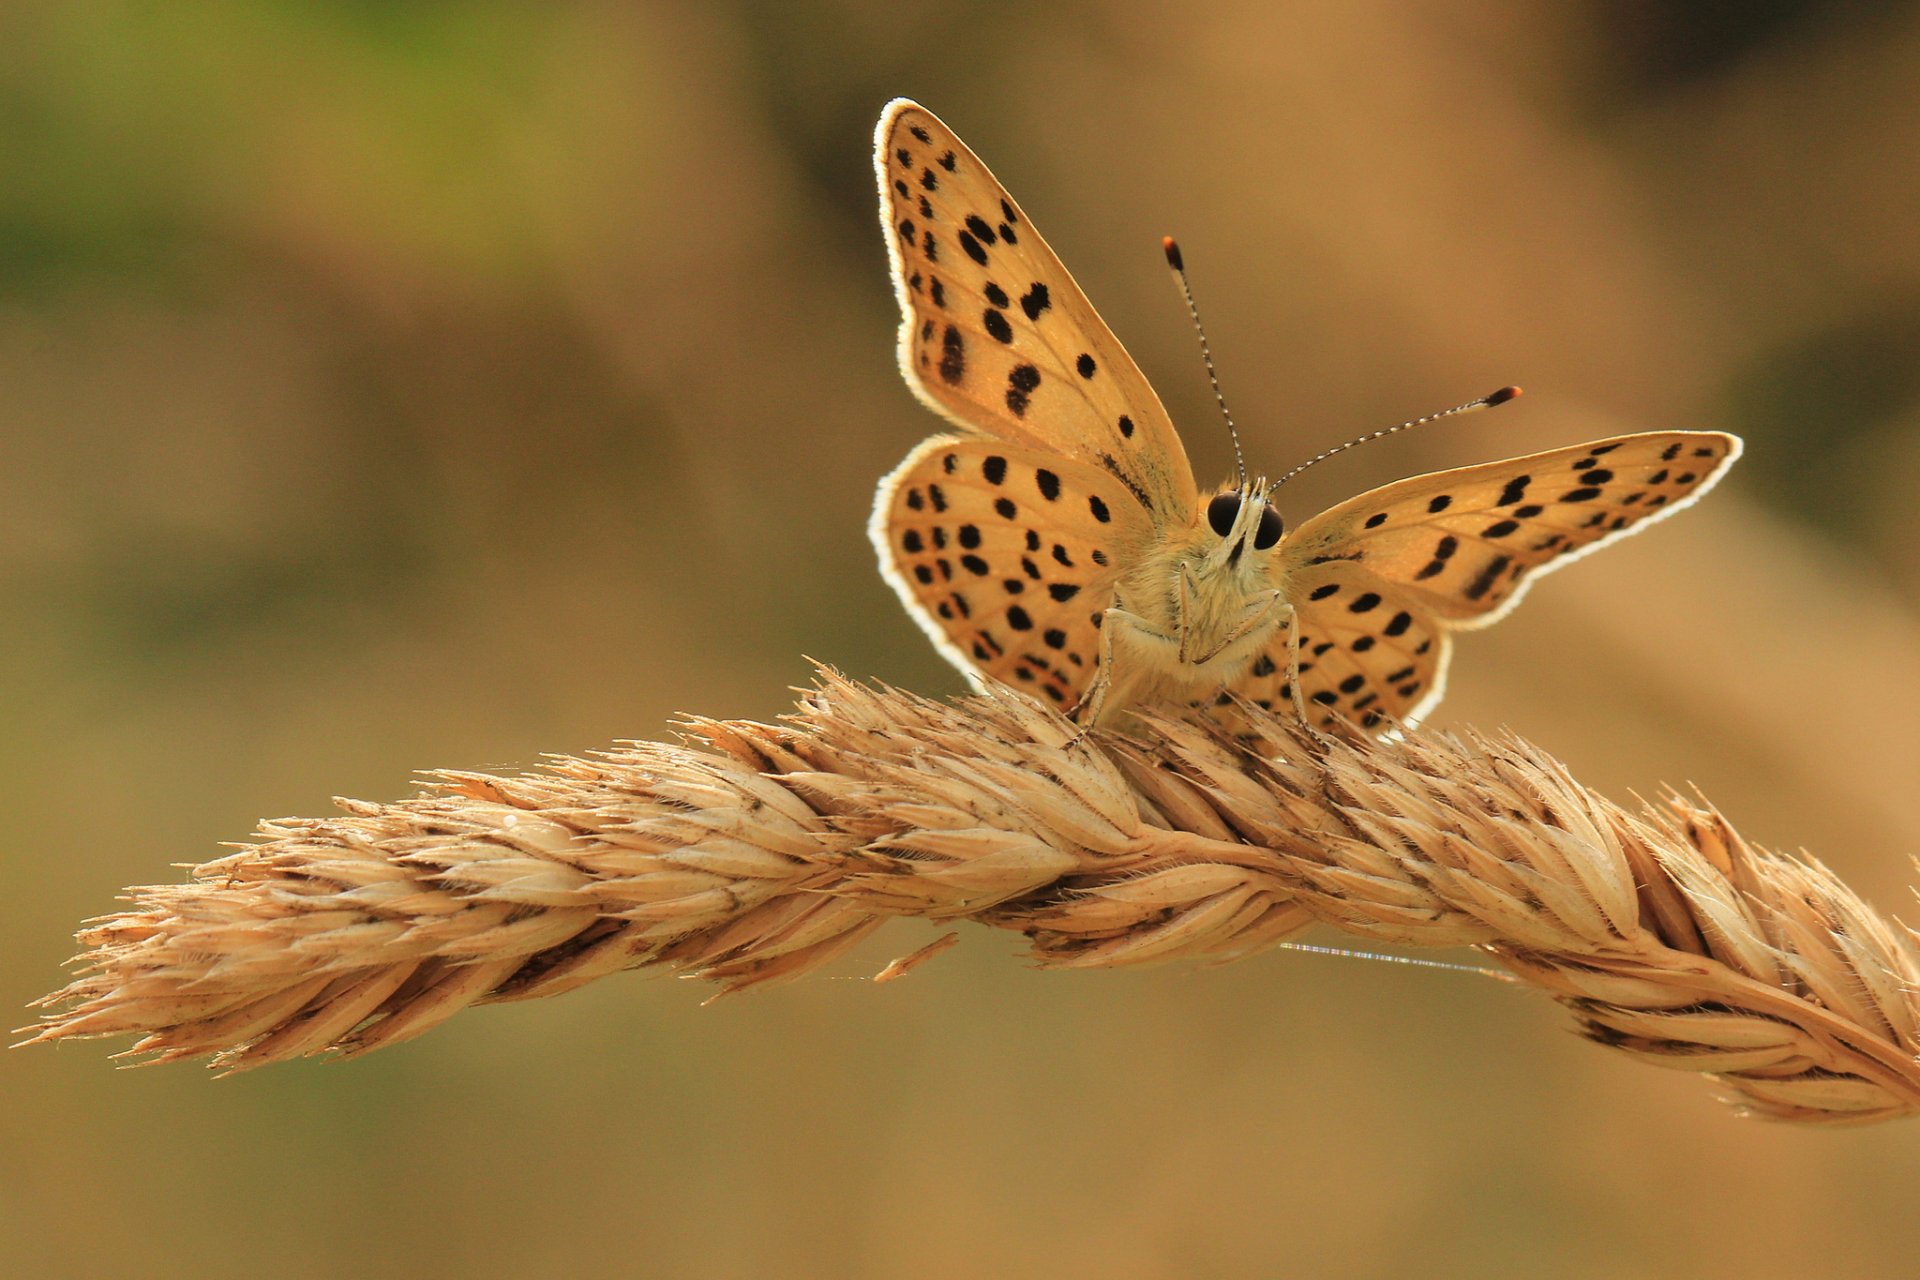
1058, 544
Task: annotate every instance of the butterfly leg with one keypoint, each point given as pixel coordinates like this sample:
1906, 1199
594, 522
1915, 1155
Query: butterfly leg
1122, 635
1256, 619
1183, 624
1086, 712
1293, 665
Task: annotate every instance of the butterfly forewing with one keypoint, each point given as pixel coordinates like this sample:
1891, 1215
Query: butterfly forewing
1007, 558
1465, 544
995, 333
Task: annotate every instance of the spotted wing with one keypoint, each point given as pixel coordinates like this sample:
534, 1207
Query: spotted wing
1007, 556
996, 335
1379, 581
1369, 652
1465, 545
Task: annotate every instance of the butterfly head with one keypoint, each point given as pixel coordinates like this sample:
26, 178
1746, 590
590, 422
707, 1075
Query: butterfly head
1243, 520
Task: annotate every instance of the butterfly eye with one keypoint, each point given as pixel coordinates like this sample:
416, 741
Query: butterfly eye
1269, 531
1222, 512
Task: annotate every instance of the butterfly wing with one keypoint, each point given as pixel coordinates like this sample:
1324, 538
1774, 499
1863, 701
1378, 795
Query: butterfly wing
1379, 580
1007, 557
1466, 544
996, 335
1368, 651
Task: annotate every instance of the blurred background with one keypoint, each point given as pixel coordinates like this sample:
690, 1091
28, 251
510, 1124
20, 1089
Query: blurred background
391, 387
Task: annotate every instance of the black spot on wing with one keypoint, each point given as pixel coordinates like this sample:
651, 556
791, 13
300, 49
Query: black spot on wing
1443, 551
1487, 576
1021, 382
953, 356
1114, 468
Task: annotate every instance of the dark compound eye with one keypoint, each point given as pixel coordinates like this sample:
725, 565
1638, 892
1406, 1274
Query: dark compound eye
1269, 531
1222, 511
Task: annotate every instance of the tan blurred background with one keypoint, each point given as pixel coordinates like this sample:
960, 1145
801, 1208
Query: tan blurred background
399, 386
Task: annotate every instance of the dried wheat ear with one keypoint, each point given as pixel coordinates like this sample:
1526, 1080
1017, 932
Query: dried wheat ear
764, 851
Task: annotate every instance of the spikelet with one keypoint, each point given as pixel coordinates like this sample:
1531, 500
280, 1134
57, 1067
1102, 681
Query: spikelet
767, 850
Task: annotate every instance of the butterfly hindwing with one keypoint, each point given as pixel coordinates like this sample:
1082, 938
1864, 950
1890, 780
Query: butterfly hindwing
1368, 652
1465, 544
996, 335
1007, 558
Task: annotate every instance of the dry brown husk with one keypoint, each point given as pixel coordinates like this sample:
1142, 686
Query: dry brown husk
759, 852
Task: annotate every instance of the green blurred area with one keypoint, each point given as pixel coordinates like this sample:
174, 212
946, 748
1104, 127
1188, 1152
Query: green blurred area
397, 387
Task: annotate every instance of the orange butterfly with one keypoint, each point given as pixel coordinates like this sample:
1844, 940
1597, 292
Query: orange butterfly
1058, 543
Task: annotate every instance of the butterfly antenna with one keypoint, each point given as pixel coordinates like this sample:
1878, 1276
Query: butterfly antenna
1501, 396
1179, 266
